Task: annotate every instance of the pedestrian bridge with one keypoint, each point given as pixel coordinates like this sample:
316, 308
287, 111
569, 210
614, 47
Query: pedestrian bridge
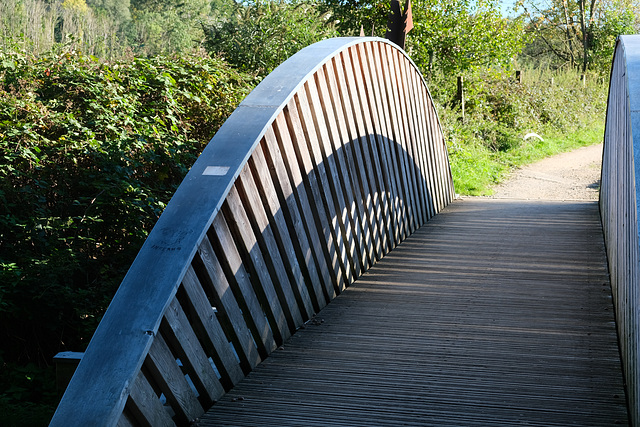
314, 268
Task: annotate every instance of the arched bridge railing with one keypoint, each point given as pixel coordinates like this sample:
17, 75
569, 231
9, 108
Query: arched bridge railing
619, 201
333, 160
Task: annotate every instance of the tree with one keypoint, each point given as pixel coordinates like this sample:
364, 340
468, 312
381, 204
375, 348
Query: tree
260, 36
457, 35
221, 9
117, 10
351, 15
614, 23
38, 24
581, 33
164, 26
448, 36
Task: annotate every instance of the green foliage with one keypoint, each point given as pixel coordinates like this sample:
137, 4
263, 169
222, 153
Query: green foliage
500, 111
578, 35
91, 153
262, 35
615, 22
109, 29
33, 387
221, 9
351, 15
37, 25
458, 35
117, 10
449, 36
161, 27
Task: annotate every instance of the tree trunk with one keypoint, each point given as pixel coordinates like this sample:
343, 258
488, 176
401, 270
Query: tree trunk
585, 40
568, 27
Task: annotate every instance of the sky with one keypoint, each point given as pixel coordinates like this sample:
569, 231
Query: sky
507, 7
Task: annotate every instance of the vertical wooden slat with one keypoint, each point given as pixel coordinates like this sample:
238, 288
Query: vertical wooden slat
172, 382
370, 96
345, 148
145, 405
325, 221
432, 150
286, 245
403, 154
306, 243
366, 146
240, 284
337, 133
309, 153
324, 248
180, 335
328, 134
393, 142
221, 353
242, 331
424, 145
253, 261
125, 420
416, 142
410, 131
268, 249
440, 162
381, 122
319, 145
371, 111
357, 140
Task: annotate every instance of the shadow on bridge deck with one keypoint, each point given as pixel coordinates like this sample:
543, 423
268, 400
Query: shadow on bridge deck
496, 312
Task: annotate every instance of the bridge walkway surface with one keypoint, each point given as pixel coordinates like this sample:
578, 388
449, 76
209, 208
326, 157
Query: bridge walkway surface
495, 312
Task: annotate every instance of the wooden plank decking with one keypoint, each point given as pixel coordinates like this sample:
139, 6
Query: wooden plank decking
494, 313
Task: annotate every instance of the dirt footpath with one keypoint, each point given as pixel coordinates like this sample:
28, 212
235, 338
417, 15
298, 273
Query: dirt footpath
569, 176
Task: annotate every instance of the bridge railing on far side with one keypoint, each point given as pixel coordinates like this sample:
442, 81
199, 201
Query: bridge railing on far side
335, 158
619, 201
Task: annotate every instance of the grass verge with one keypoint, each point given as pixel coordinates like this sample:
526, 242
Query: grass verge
477, 169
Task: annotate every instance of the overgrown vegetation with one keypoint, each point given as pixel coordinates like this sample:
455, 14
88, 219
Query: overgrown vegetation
91, 153
577, 34
105, 104
500, 111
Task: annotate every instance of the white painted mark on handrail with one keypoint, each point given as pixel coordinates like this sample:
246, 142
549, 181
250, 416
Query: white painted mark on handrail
216, 170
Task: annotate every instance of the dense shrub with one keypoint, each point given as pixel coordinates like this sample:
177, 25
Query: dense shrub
91, 153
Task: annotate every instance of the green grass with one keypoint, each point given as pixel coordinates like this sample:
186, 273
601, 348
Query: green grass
487, 144
477, 169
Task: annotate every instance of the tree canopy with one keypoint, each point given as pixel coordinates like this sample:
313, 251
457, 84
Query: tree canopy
456, 35
259, 37
577, 34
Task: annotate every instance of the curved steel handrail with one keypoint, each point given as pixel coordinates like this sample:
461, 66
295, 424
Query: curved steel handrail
329, 163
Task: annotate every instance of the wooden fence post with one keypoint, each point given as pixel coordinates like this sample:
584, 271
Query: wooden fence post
460, 95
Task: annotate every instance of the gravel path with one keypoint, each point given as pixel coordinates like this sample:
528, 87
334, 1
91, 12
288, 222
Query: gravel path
568, 176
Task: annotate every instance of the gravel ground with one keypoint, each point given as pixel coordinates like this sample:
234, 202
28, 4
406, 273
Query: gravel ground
568, 176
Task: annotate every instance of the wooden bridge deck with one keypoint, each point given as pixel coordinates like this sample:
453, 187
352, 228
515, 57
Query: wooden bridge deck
494, 313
